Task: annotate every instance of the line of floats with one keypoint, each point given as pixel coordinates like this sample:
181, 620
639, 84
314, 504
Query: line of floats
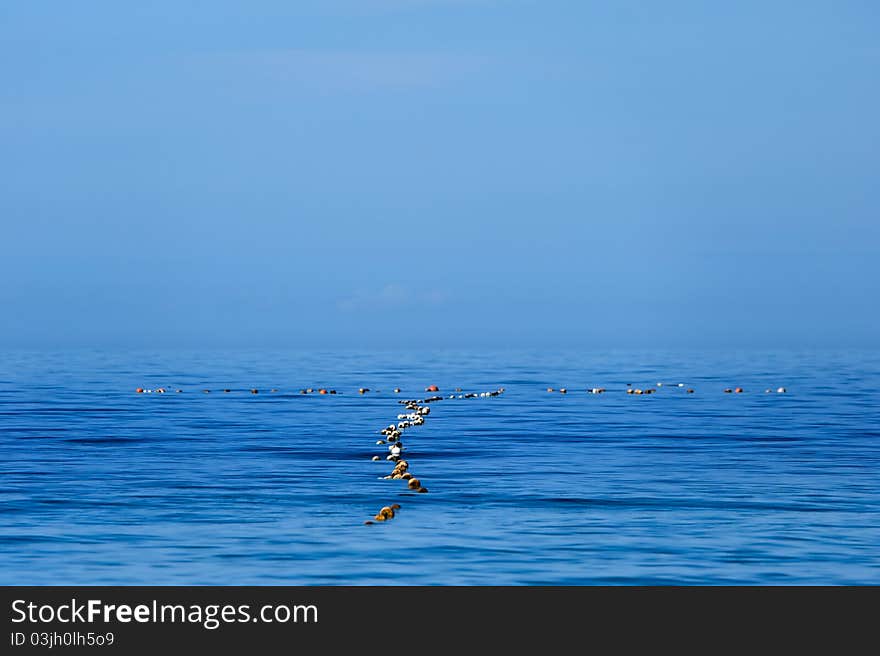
364, 390
651, 390
417, 410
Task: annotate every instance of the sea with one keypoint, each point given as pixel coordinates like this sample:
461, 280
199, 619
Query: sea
102, 485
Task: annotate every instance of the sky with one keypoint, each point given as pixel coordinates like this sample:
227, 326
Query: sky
439, 173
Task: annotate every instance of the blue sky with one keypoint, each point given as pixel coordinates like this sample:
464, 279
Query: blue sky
376, 173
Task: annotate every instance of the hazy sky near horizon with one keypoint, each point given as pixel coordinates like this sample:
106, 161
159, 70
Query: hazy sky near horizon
374, 173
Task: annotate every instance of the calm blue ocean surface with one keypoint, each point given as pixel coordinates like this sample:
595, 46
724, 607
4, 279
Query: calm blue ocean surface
104, 486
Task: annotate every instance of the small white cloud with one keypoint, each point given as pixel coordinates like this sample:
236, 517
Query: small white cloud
392, 296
